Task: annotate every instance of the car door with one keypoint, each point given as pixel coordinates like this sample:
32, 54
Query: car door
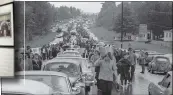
166, 85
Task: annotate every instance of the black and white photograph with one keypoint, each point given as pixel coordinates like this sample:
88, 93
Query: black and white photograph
93, 48
6, 25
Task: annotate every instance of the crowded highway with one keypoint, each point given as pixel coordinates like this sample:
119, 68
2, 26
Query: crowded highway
76, 62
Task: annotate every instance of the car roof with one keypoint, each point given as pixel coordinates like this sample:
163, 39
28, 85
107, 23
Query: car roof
160, 56
24, 86
41, 73
168, 55
70, 51
61, 59
68, 55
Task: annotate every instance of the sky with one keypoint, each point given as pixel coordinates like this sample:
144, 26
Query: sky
88, 7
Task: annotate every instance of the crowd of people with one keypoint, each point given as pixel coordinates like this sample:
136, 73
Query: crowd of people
115, 68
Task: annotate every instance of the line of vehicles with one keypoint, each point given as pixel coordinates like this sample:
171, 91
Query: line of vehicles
67, 74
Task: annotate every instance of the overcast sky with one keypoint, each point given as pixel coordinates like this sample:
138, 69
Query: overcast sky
89, 7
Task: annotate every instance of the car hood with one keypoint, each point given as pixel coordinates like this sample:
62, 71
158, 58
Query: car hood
158, 87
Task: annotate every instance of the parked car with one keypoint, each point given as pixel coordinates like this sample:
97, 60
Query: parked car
76, 67
151, 55
25, 87
164, 87
160, 64
58, 81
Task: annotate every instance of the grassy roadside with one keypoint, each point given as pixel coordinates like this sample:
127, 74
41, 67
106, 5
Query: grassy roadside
108, 36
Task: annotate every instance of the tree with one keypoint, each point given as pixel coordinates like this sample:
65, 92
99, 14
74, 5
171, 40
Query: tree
41, 15
107, 15
128, 24
157, 15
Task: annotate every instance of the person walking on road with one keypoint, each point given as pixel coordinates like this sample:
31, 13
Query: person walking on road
43, 52
133, 61
97, 68
124, 70
142, 61
107, 71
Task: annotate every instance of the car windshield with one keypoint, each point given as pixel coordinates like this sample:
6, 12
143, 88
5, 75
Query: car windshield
70, 69
58, 83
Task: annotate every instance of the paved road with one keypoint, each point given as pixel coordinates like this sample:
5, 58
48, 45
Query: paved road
141, 81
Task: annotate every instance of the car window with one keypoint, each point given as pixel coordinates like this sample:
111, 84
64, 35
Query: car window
65, 67
58, 83
166, 82
162, 59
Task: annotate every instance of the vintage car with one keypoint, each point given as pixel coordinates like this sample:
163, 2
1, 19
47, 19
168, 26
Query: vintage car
151, 55
24, 87
159, 64
58, 81
76, 67
164, 87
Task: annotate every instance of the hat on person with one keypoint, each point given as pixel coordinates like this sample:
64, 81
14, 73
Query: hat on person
130, 49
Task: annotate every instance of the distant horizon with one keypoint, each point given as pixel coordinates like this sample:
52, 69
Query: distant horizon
86, 7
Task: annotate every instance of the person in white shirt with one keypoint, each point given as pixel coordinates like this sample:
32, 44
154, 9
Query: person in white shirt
107, 73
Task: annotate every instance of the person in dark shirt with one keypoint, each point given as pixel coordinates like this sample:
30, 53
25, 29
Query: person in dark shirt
123, 68
37, 63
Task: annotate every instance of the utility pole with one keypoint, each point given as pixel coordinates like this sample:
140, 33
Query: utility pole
122, 27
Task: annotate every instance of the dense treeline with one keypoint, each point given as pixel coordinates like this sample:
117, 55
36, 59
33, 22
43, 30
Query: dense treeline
40, 16
157, 16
